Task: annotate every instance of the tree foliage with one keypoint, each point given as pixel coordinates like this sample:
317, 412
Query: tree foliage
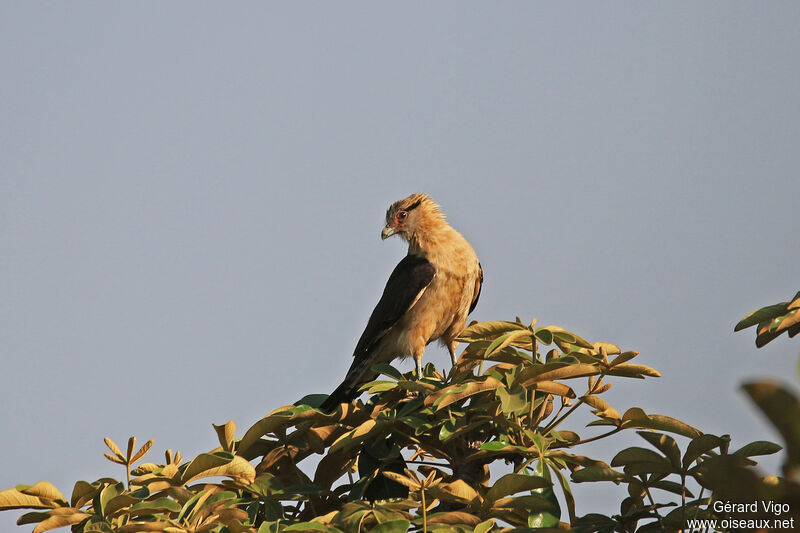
773, 320
489, 446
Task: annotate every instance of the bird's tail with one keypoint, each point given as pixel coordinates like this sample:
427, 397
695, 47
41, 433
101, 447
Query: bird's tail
360, 372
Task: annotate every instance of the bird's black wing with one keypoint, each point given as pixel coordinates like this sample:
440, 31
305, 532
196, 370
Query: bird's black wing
408, 279
478, 285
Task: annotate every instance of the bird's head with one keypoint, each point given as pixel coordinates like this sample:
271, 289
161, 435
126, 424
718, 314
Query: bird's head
405, 217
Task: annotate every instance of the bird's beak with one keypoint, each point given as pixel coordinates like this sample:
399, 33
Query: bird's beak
387, 232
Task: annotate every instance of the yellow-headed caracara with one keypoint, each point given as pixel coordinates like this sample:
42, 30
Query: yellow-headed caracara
428, 296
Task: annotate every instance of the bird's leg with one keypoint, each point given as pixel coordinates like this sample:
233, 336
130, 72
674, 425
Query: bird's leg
419, 367
451, 347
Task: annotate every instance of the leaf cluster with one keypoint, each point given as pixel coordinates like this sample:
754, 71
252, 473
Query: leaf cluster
773, 320
483, 448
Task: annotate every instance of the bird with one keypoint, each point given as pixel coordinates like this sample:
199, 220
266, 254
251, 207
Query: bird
427, 297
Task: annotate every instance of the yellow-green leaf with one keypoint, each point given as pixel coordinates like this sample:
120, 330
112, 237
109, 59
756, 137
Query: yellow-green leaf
226, 433
633, 371
636, 418
65, 516
131, 446
279, 418
457, 490
391, 526
553, 371
208, 464
114, 448
514, 400
597, 473
458, 392
505, 340
761, 315
514, 483
484, 527
487, 330
636, 454
601, 407
530, 502
145, 526
606, 347
782, 408
142, 451
82, 492
412, 484
354, 437
14, 499
114, 459
46, 490
555, 388
623, 358
454, 518
666, 445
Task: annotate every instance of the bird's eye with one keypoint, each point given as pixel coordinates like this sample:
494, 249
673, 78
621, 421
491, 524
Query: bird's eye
401, 216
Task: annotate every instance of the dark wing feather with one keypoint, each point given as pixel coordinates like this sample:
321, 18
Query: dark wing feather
411, 275
408, 280
478, 285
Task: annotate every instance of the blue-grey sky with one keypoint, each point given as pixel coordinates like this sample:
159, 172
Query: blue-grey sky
191, 197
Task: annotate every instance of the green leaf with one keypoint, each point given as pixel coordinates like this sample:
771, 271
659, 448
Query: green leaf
700, 445
637, 418
782, 408
43, 489
627, 370
388, 370
452, 428
159, 505
514, 400
673, 487
505, 340
277, 420
219, 464
487, 330
638, 460
106, 495
265, 484
82, 493
544, 335
567, 340
456, 393
120, 502
33, 517
597, 473
226, 433
527, 503
311, 400
374, 387
514, 483
308, 526
452, 518
484, 527
378, 456
546, 519
555, 370
393, 526
272, 526
355, 437
665, 445
623, 358
761, 315
759, 447
61, 517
